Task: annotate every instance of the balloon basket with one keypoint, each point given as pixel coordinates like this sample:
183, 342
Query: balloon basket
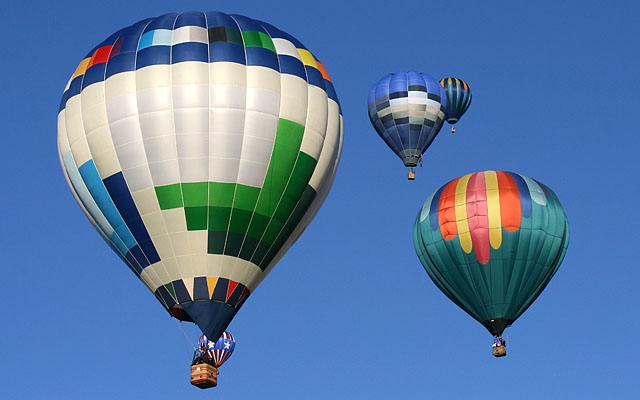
204, 376
412, 174
499, 351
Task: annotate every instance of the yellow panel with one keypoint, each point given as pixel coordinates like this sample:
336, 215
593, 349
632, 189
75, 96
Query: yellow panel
82, 68
493, 208
461, 214
308, 58
211, 282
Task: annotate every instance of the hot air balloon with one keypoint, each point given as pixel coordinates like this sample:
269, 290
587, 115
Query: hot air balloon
491, 242
223, 348
407, 109
200, 145
459, 99
208, 357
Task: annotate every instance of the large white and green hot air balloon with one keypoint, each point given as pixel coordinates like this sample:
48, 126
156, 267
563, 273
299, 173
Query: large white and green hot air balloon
200, 146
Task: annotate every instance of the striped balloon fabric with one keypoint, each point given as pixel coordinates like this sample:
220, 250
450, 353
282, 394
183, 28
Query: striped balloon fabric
200, 146
223, 348
492, 241
407, 109
458, 96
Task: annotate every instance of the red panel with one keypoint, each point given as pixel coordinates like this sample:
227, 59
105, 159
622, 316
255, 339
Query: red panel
478, 217
99, 56
231, 288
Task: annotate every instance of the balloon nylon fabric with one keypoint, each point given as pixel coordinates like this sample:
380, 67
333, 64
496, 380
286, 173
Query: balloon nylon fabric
491, 241
223, 348
458, 96
200, 145
407, 109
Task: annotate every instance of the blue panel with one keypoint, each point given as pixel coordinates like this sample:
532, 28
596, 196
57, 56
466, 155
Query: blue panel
215, 19
121, 197
331, 92
247, 24
262, 57
525, 196
235, 296
181, 292
190, 18
164, 294
212, 317
293, 66
227, 52
94, 74
200, 288
153, 55
118, 243
162, 37
190, 51
315, 77
433, 210
121, 63
135, 259
146, 40
165, 21
220, 291
99, 193
107, 42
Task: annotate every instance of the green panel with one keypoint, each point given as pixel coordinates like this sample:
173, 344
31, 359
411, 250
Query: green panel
283, 158
266, 42
246, 197
221, 194
258, 225
299, 179
169, 287
195, 194
240, 221
234, 36
216, 241
272, 231
251, 39
169, 196
233, 244
219, 218
196, 218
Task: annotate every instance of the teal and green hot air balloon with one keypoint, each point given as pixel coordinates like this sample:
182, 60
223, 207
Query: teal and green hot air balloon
458, 99
491, 241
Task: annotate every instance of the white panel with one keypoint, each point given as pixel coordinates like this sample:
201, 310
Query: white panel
227, 120
138, 178
157, 123
153, 76
252, 173
325, 162
227, 96
190, 72
180, 243
173, 273
192, 120
312, 143
94, 114
227, 73
154, 99
146, 201
181, 35
283, 46
225, 145
244, 271
293, 104
120, 84
185, 96
194, 169
318, 110
261, 125
63, 140
264, 78
163, 245
263, 100
192, 145
184, 265
125, 131
81, 153
165, 172
151, 278
198, 34
175, 220
154, 224
199, 261
107, 163
257, 149
73, 119
99, 139
223, 169
198, 242
131, 154
214, 264
161, 148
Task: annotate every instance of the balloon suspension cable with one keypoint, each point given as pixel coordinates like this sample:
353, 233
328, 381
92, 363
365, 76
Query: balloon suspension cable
187, 342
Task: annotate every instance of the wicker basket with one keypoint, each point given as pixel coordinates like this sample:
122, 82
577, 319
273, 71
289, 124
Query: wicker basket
204, 376
499, 351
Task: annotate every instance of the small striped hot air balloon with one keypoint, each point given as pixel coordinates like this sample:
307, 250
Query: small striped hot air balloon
491, 241
407, 109
459, 99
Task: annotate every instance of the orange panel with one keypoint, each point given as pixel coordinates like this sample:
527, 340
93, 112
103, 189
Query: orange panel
510, 212
447, 211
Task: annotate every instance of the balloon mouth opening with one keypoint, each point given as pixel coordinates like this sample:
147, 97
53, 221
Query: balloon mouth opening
498, 325
452, 120
411, 161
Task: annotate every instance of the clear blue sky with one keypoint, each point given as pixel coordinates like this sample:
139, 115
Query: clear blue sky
348, 313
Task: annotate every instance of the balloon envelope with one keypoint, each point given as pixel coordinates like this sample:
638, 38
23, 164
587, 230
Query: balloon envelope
200, 145
458, 98
491, 241
407, 110
223, 348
